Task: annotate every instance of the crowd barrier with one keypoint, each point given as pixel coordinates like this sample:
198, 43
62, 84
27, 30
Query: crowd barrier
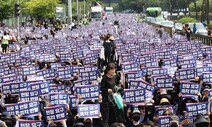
205, 39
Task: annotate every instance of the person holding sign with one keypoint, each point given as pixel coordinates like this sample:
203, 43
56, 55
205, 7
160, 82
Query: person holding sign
110, 111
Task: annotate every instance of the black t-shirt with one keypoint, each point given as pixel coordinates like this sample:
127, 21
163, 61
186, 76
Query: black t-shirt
108, 47
107, 83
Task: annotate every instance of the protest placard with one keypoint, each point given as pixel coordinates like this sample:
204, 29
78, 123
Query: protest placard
129, 66
47, 73
157, 71
89, 60
30, 108
160, 110
133, 75
78, 54
88, 92
58, 98
29, 95
164, 82
57, 88
81, 82
42, 87
199, 70
11, 78
55, 113
170, 62
189, 65
134, 96
89, 110
88, 68
195, 108
26, 70
186, 74
164, 121
189, 88
30, 123
64, 74
140, 84
195, 97
64, 56
89, 75
14, 87
207, 77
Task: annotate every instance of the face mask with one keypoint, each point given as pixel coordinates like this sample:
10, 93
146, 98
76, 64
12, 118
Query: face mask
136, 118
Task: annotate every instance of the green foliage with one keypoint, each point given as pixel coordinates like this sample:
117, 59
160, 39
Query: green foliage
199, 6
41, 8
6, 9
137, 5
186, 20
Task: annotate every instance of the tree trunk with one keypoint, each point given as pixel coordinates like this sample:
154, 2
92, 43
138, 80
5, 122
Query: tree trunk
170, 6
195, 6
203, 11
187, 7
207, 11
178, 9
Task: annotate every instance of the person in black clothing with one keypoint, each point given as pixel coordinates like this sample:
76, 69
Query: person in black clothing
160, 32
160, 62
109, 110
52, 32
112, 39
188, 33
108, 49
46, 25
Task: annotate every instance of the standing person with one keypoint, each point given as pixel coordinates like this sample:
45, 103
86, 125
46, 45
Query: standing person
109, 110
5, 42
108, 49
13, 38
112, 39
194, 28
52, 32
188, 33
160, 32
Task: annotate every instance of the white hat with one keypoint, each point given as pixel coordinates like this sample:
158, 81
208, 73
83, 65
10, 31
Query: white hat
136, 111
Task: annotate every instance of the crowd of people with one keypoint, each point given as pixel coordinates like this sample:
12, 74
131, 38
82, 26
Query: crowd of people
130, 48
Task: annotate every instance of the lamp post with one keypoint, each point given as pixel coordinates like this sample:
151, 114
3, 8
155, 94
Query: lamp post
70, 11
77, 12
18, 22
84, 8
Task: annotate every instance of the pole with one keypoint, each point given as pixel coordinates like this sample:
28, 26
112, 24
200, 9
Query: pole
18, 24
84, 9
70, 11
77, 12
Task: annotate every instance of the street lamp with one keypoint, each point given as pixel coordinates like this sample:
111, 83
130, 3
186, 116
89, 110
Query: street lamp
70, 11
77, 12
84, 8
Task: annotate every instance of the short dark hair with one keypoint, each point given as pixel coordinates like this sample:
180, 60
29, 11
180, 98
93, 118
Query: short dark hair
109, 67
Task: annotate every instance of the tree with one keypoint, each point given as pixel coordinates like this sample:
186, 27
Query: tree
137, 5
6, 9
41, 8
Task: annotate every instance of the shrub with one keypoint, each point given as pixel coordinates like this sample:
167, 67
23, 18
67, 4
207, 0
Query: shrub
186, 20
